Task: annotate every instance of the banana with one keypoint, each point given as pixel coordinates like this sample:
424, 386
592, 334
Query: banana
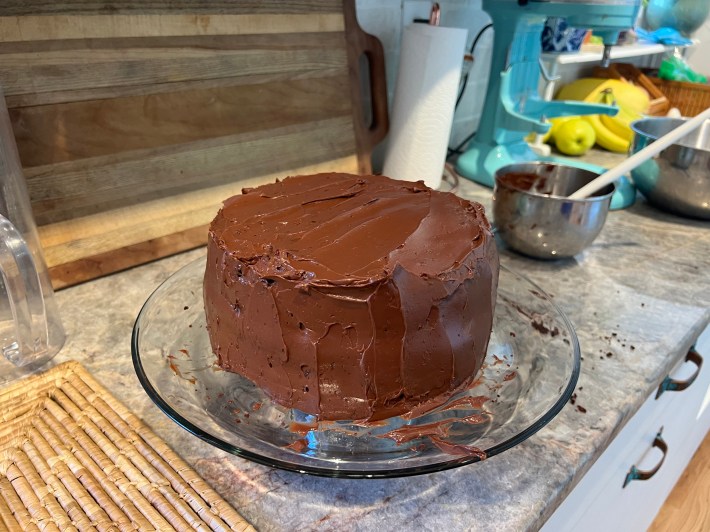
620, 124
582, 89
606, 138
633, 99
613, 124
614, 133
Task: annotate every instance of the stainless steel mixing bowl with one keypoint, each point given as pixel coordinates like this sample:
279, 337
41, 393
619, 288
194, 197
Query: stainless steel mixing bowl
677, 179
534, 216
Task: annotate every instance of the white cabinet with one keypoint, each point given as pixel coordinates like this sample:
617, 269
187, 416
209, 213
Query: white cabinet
601, 501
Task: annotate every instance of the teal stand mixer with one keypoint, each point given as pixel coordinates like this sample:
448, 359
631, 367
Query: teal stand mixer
513, 107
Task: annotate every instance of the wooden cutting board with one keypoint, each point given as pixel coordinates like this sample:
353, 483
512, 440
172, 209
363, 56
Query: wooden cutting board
135, 119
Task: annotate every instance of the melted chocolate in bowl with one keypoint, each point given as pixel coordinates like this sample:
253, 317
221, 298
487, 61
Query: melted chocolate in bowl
535, 216
351, 297
527, 182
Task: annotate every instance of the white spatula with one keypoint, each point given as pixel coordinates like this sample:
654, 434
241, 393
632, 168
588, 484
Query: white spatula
640, 156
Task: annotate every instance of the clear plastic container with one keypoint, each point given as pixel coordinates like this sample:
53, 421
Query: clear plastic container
31, 332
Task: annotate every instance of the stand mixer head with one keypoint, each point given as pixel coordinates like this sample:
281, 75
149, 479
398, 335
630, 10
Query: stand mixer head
513, 108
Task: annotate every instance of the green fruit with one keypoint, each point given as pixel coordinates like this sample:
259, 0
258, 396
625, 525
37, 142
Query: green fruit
557, 122
574, 136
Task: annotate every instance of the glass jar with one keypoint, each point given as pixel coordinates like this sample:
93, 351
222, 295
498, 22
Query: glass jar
31, 332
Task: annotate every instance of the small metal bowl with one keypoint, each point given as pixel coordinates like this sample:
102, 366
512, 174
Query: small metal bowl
677, 180
533, 215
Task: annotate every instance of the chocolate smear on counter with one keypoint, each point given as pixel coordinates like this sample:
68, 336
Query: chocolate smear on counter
509, 376
535, 320
538, 294
540, 327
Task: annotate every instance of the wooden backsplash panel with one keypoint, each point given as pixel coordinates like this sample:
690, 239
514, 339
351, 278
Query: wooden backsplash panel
54, 133
161, 7
134, 120
79, 69
77, 188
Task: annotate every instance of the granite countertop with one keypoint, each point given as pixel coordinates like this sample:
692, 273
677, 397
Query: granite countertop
641, 292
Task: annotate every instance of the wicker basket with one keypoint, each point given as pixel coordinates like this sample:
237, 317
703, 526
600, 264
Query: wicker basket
689, 98
73, 457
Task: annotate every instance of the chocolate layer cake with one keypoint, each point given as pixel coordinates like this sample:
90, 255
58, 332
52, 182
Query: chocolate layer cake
351, 297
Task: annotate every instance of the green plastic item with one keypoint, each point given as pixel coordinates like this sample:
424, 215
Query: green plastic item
674, 68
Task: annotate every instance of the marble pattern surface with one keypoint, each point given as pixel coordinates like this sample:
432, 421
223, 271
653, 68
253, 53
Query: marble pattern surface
637, 297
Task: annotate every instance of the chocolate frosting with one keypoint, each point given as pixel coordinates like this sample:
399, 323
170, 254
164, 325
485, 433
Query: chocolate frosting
351, 297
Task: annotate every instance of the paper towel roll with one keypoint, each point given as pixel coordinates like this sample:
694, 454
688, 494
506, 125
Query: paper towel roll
424, 101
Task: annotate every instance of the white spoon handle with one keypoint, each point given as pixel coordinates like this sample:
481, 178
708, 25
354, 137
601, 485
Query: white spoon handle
640, 156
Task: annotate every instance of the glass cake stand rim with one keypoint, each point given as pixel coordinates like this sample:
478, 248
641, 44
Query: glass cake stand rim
454, 462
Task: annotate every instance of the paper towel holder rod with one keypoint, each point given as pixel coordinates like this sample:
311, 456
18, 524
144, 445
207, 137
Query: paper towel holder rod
435, 14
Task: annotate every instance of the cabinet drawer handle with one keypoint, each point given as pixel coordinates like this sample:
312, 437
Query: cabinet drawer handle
637, 474
673, 385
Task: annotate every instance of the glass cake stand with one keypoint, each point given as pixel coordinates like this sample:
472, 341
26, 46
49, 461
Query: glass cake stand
530, 372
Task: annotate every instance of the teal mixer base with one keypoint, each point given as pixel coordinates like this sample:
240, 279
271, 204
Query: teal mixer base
625, 194
480, 163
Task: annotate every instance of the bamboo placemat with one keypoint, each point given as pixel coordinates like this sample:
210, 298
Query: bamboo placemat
72, 457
